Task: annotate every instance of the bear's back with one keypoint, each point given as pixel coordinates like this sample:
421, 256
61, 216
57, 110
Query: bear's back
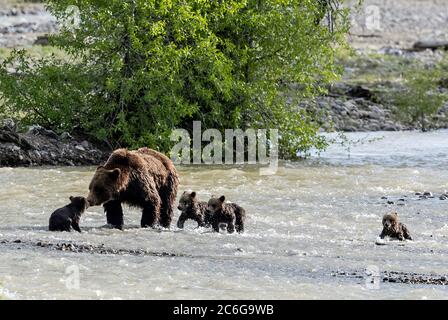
60, 218
143, 160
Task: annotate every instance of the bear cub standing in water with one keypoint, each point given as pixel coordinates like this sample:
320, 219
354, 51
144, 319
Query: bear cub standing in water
393, 228
65, 218
230, 213
194, 209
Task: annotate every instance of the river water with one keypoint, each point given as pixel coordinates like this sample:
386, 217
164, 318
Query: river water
310, 233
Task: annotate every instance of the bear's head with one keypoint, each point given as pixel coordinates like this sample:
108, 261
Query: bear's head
187, 201
80, 203
215, 204
105, 186
390, 221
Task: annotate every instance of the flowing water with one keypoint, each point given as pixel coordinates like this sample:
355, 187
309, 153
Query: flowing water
310, 233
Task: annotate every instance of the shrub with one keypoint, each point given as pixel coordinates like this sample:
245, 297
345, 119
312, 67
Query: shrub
141, 68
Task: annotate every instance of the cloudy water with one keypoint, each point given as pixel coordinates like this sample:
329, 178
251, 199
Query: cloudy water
311, 232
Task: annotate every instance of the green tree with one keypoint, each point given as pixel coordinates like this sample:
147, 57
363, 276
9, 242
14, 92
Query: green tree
421, 96
140, 68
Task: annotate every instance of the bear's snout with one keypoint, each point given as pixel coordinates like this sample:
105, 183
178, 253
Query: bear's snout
179, 208
91, 202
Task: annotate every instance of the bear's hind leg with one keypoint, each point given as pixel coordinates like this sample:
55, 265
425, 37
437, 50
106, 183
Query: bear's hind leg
168, 197
151, 213
114, 214
239, 220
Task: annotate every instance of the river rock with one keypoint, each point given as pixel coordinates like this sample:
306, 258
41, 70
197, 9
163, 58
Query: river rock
430, 44
8, 124
42, 41
38, 130
39, 146
66, 136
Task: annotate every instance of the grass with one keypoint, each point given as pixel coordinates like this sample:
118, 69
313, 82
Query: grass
383, 73
36, 52
374, 69
389, 77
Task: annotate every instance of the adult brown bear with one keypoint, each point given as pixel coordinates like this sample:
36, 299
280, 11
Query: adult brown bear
143, 178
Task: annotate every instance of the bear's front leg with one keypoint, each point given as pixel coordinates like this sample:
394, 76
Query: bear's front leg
114, 214
181, 221
406, 233
75, 224
200, 221
215, 225
230, 227
150, 214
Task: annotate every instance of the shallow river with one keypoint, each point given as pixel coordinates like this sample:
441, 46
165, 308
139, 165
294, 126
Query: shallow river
310, 233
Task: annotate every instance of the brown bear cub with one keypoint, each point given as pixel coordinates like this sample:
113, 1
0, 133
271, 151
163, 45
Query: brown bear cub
394, 229
66, 218
194, 209
230, 213
142, 178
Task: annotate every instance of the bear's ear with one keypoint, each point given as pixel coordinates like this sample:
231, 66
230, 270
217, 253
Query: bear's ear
114, 174
222, 198
71, 198
193, 194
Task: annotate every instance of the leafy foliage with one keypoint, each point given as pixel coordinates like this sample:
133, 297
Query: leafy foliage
421, 96
140, 68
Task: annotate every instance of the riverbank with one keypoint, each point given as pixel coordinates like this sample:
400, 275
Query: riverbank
361, 101
38, 146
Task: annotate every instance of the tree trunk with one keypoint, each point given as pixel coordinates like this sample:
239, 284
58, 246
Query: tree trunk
423, 122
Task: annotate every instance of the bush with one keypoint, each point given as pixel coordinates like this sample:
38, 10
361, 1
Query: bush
421, 96
141, 68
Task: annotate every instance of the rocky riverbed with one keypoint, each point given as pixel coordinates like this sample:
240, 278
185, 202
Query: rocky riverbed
22, 24
350, 108
38, 146
411, 278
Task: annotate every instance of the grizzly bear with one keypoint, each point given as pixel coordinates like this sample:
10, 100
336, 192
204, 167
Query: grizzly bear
66, 218
394, 229
192, 208
230, 213
143, 178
